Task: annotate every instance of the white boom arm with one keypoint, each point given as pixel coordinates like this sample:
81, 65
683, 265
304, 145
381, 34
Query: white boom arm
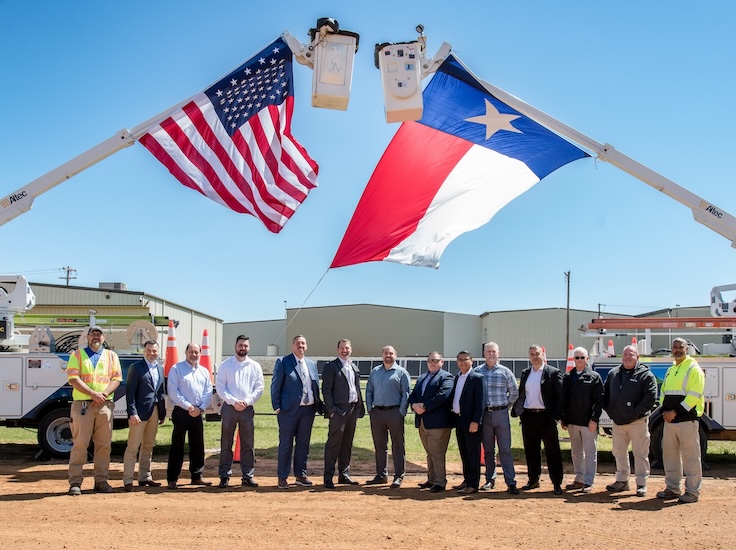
21, 201
703, 211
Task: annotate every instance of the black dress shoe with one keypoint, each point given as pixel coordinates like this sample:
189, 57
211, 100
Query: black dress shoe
558, 490
149, 483
224, 482
513, 490
530, 485
172, 485
347, 480
248, 482
329, 484
436, 489
378, 480
128, 487
426, 485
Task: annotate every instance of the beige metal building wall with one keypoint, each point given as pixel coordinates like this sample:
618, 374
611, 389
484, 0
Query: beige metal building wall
191, 326
412, 332
462, 333
262, 334
515, 331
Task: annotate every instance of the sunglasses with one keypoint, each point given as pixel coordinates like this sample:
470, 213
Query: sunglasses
435, 360
580, 357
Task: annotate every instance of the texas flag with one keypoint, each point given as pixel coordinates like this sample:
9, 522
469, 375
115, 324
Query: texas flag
448, 173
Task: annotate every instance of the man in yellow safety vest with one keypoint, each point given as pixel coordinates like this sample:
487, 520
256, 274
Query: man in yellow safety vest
682, 405
94, 374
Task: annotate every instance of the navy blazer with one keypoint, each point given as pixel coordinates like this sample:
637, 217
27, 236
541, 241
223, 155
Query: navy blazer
286, 385
141, 395
472, 400
336, 391
551, 391
436, 400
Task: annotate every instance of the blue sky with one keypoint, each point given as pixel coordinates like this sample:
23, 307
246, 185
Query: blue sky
655, 79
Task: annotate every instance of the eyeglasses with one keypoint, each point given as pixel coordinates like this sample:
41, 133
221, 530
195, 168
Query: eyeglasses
580, 357
435, 360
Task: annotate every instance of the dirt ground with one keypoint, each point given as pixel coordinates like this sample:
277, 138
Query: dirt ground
37, 513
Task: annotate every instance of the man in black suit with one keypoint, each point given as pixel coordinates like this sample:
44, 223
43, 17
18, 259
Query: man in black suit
468, 404
343, 406
430, 401
540, 407
144, 393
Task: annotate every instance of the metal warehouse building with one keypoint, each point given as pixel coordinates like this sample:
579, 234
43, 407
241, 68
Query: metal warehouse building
66, 309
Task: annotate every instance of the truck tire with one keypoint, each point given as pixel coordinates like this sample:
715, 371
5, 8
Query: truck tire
655, 445
55, 433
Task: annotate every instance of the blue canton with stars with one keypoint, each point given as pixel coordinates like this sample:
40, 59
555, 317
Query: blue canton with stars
263, 80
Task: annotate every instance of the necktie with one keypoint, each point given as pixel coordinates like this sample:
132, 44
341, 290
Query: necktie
304, 376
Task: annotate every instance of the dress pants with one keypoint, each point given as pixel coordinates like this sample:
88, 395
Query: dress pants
584, 451
295, 432
183, 425
243, 421
141, 436
94, 425
339, 445
636, 433
497, 429
469, 446
538, 428
681, 454
384, 423
435, 441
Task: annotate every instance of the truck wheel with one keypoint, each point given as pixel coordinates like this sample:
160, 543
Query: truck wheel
655, 445
55, 433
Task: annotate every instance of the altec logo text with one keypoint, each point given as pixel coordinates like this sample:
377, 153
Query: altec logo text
15, 197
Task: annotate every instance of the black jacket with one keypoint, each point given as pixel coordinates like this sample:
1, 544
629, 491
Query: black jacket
626, 400
551, 387
582, 399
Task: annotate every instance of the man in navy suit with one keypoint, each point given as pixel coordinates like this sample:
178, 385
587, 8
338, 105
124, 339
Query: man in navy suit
540, 407
144, 392
430, 401
468, 405
343, 407
295, 398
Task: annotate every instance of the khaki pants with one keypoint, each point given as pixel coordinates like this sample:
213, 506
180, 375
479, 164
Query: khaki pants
94, 425
681, 454
141, 435
636, 433
435, 441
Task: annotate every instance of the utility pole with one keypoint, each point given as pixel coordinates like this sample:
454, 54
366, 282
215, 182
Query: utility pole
567, 321
71, 273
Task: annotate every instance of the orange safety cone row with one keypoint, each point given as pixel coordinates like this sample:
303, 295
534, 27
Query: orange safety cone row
172, 353
570, 362
205, 359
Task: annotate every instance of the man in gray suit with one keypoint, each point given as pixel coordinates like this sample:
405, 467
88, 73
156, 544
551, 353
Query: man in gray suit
343, 406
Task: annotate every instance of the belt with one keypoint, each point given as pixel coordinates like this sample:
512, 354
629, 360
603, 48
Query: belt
381, 408
535, 410
499, 408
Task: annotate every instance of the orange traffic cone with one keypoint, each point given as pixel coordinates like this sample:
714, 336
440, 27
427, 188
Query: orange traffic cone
172, 353
611, 352
236, 452
205, 360
570, 362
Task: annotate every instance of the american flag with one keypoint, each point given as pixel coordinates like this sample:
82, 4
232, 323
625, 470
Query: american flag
233, 142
